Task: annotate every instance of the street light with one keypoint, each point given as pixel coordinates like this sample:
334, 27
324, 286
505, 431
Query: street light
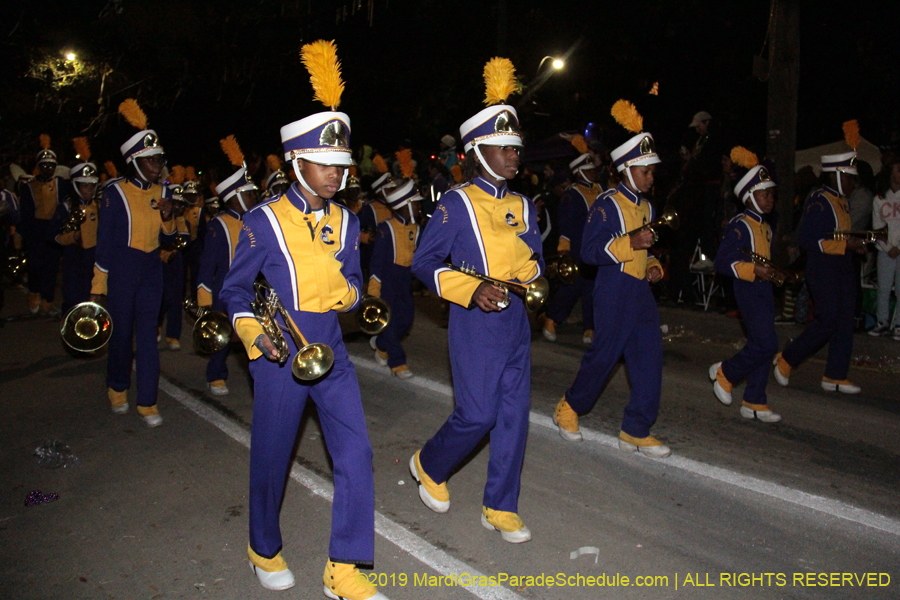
557, 63
70, 57
541, 78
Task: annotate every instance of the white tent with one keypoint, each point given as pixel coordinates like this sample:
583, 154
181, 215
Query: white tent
812, 157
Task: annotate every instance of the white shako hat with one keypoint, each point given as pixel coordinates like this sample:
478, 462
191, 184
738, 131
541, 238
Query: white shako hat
640, 149
403, 194
239, 181
145, 142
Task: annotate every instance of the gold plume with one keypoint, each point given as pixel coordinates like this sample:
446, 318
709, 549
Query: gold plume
405, 160
743, 157
176, 175
274, 163
499, 80
851, 133
579, 143
320, 59
110, 167
82, 148
379, 164
45, 141
190, 174
457, 173
233, 151
626, 115
132, 112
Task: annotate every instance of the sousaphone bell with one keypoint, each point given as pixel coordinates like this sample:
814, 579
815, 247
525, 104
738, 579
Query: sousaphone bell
373, 315
87, 327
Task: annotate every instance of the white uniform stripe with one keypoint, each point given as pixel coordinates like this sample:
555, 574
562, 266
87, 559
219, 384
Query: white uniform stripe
623, 230
437, 281
475, 231
228, 239
345, 221
525, 214
393, 242
241, 315
279, 235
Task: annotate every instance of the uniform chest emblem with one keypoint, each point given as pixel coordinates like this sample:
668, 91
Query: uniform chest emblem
154, 204
511, 219
326, 232
93, 217
412, 236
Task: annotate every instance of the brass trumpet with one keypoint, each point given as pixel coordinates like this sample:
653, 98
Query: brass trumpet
779, 276
87, 327
563, 267
212, 331
180, 243
373, 315
313, 360
869, 236
534, 294
669, 217
77, 216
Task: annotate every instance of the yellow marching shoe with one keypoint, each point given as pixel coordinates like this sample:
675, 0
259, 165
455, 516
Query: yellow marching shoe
721, 386
218, 387
345, 582
648, 446
760, 412
587, 337
510, 526
151, 415
566, 420
48, 309
381, 357
434, 496
118, 401
272, 573
782, 370
402, 372
173, 344
549, 329
840, 385
34, 303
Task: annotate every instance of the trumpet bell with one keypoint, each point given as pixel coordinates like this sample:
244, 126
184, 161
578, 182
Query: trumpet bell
211, 333
536, 295
87, 327
312, 361
567, 269
373, 315
670, 218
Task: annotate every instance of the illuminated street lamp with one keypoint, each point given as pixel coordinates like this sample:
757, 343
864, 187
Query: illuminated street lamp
70, 57
541, 78
557, 63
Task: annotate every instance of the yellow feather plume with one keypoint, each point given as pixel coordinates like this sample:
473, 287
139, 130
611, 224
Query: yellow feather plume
743, 157
176, 175
579, 143
851, 133
45, 141
111, 169
273, 162
405, 159
499, 80
190, 174
132, 112
82, 148
320, 59
233, 151
626, 115
457, 173
379, 164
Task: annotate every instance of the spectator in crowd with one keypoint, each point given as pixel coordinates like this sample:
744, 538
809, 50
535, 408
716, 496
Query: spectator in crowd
886, 213
447, 154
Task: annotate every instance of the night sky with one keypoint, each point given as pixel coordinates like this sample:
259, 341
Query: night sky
206, 69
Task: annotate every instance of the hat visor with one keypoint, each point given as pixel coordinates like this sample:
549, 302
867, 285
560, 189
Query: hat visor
642, 161
151, 151
328, 158
503, 139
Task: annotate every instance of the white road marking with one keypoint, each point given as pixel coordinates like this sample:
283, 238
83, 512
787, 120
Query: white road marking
398, 535
821, 504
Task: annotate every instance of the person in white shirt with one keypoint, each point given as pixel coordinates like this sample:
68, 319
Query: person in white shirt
886, 212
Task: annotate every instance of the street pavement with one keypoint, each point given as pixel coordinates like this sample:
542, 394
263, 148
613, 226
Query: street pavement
805, 508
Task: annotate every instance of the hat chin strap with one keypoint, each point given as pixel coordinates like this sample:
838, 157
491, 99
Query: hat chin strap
486, 166
137, 168
631, 180
240, 199
302, 181
840, 188
754, 204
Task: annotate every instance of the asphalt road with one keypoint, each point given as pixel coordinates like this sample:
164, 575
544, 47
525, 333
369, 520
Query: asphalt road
741, 510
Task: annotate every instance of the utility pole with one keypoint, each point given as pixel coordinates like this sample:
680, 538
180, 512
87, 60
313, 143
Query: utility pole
784, 77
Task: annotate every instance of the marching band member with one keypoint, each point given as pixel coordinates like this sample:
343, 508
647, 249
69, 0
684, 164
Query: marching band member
391, 277
574, 207
172, 257
306, 247
137, 219
486, 226
78, 239
39, 200
625, 312
830, 274
211, 207
240, 195
374, 212
748, 232
277, 182
196, 224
